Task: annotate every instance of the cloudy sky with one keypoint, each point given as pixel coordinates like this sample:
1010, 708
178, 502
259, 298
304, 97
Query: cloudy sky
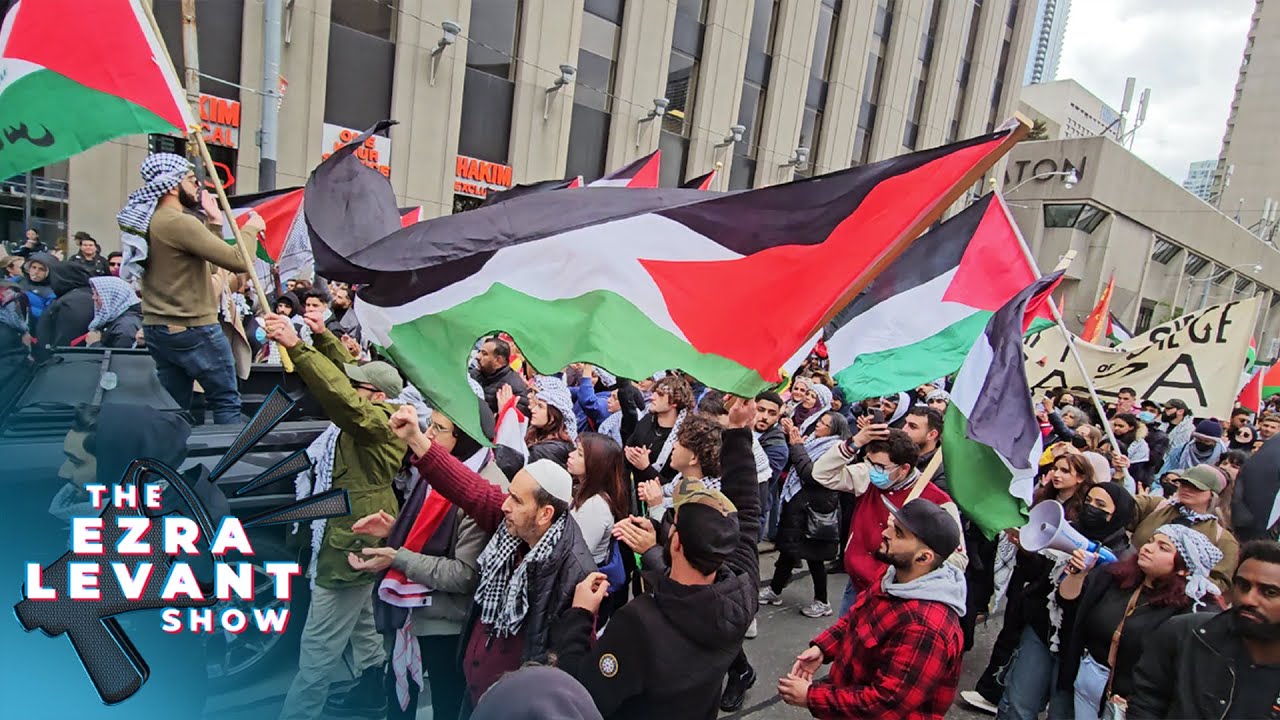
1187, 51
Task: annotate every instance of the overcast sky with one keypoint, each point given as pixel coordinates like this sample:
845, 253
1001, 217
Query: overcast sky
1187, 51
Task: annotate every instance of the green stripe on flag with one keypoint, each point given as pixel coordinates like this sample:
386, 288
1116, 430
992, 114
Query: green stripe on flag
890, 371
1039, 325
977, 479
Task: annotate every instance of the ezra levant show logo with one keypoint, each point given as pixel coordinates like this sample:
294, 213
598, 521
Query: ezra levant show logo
157, 543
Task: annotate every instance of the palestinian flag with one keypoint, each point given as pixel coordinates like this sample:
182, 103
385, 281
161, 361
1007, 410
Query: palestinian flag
74, 74
544, 186
1271, 381
1252, 358
635, 281
702, 182
1116, 332
410, 215
642, 173
991, 442
916, 320
1251, 394
282, 211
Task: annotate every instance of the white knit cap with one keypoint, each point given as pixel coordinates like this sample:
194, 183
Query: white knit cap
553, 478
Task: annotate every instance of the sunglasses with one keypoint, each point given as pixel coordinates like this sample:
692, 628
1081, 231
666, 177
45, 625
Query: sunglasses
365, 386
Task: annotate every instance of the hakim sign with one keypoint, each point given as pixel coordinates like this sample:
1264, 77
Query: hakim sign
375, 153
477, 178
220, 121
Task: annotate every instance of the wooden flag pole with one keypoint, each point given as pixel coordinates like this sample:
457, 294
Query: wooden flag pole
223, 203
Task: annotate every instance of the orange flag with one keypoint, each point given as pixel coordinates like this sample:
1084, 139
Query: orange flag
1095, 326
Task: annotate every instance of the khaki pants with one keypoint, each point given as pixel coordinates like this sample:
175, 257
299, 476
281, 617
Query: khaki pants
336, 618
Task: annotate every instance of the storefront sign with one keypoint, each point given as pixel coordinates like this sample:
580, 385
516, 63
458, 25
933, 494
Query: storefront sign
374, 153
224, 158
220, 121
477, 178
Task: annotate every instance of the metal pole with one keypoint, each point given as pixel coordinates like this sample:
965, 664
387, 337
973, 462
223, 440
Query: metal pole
1204, 296
191, 79
272, 41
27, 202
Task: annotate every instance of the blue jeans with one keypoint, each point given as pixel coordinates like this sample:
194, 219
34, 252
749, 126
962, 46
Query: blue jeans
198, 354
850, 597
1091, 683
1032, 683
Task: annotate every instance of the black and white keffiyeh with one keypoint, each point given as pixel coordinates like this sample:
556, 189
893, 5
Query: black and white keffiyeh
665, 453
503, 593
554, 392
116, 296
824, 404
161, 173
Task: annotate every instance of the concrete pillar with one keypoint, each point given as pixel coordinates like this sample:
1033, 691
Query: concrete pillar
982, 69
644, 56
899, 77
540, 146
940, 95
844, 89
723, 64
788, 85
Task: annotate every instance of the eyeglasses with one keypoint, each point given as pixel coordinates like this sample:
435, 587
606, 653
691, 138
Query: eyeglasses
365, 386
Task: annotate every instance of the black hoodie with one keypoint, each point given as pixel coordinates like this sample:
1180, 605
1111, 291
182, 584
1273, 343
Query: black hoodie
67, 317
665, 654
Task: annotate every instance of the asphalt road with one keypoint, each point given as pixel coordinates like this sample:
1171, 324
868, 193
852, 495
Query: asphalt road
784, 632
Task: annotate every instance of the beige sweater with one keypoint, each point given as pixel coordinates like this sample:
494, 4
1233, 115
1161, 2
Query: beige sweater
176, 288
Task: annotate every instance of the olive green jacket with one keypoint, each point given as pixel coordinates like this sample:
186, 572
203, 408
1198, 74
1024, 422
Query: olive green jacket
367, 458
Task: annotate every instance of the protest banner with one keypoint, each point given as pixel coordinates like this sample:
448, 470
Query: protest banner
1196, 358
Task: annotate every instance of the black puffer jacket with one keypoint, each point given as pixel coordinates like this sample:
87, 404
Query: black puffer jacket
793, 536
665, 654
492, 383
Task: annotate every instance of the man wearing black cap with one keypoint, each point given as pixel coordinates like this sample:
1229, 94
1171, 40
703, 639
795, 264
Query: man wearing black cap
1178, 423
665, 653
896, 653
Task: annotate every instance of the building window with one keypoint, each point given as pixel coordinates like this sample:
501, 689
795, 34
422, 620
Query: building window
1194, 264
915, 106
1079, 216
1145, 313
682, 86
962, 72
219, 26
593, 89
871, 83
755, 89
1164, 251
815, 101
371, 17
1243, 284
489, 89
362, 60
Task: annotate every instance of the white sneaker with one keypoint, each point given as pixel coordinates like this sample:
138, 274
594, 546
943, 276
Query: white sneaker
753, 630
769, 597
816, 609
974, 699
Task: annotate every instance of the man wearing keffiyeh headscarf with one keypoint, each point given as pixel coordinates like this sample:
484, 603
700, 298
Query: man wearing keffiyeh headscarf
169, 246
117, 315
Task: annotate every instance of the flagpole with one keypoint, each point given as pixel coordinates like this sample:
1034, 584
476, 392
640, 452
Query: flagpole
223, 203
1057, 317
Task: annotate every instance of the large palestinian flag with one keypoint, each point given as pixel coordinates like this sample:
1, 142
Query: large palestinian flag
74, 74
917, 320
641, 173
725, 287
281, 209
543, 186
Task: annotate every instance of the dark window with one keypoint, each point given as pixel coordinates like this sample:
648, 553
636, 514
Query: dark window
610, 10
675, 159
592, 101
1145, 313
493, 32
743, 174
871, 83
691, 11
682, 84
1083, 217
962, 75
486, 116
358, 78
588, 142
755, 89
219, 24
1164, 251
372, 17
1090, 218
1195, 263
764, 15
997, 88
1242, 283
750, 111
815, 101
915, 107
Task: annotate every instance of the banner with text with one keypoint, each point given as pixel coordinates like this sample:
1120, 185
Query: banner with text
1196, 358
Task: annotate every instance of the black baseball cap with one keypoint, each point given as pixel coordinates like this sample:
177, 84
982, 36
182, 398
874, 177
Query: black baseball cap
932, 525
1176, 404
706, 520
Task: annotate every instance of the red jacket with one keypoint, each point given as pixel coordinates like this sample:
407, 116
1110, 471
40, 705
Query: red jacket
870, 518
890, 658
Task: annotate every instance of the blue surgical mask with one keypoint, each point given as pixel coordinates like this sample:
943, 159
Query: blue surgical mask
880, 478
1147, 416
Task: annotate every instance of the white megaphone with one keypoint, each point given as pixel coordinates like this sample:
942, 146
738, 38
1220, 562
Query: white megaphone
1048, 528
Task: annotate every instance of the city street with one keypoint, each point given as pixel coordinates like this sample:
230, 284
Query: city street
783, 633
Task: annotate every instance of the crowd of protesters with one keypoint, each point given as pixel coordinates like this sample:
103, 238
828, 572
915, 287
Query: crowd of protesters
604, 560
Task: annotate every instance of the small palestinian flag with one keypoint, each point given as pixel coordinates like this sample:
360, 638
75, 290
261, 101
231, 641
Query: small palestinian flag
74, 74
642, 173
702, 182
917, 320
281, 209
635, 281
410, 215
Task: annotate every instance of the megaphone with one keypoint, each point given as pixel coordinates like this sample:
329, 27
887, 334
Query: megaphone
1048, 528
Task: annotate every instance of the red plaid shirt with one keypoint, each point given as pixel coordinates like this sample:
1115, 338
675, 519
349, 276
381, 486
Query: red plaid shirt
890, 658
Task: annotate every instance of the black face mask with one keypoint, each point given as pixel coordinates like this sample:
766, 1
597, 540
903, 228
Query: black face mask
1205, 447
1094, 522
1079, 442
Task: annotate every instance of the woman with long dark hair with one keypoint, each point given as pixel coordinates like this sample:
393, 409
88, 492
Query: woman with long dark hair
809, 528
1117, 607
599, 495
552, 427
1068, 482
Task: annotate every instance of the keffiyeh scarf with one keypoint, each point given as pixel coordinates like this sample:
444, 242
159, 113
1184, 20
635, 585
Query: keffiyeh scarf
1200, 556
824, 404
665, 453
503, 593
1191, 516
816, 447
116, 296
555, 393
612, 426
161, 173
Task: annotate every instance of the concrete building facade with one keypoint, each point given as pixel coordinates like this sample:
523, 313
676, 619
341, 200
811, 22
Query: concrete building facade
1048, 31
1171, 253
853, 82
1199, 181
1070, 111
1247, 174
